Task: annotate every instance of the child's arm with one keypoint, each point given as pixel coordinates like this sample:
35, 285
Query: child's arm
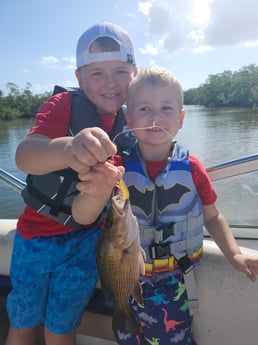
96, 189
39, 155
219, 229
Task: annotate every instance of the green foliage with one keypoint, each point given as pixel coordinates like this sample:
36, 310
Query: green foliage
227, 89
20, 104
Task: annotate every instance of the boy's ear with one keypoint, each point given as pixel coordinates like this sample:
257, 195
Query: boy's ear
181, 118
78, 76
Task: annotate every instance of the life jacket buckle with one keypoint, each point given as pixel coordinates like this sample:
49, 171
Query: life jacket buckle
159, 250
185, 264
166, 230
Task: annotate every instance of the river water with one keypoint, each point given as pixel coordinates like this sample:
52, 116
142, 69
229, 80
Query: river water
213, 135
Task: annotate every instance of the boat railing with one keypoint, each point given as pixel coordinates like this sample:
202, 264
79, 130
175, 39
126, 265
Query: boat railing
12, 181
216, 172
233, 167
227, 169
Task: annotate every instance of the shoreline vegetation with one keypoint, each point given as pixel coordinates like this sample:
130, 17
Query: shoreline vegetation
226, 89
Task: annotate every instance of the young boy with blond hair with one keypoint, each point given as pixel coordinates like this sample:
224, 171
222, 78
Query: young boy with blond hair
172, 197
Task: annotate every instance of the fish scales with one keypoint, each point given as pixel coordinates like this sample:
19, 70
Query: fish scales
118, 254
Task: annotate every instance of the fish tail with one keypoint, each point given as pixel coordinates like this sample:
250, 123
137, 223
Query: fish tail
126, 322
137, 293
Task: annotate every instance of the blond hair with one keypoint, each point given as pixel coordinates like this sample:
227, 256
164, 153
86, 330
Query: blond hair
155, 75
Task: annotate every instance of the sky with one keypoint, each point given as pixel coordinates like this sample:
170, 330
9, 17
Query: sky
192, 38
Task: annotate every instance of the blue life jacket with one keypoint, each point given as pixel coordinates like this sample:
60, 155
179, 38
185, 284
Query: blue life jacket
52, 194
169, 210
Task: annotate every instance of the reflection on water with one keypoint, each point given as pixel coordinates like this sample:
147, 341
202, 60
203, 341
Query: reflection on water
213, 135
216, 135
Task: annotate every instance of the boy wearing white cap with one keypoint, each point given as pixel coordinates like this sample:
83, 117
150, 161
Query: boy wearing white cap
53, 269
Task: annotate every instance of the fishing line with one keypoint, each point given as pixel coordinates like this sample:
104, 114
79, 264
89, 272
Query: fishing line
141, 128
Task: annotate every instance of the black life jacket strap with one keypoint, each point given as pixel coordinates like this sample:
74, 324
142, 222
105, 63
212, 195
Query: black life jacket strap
56, 204
69, 176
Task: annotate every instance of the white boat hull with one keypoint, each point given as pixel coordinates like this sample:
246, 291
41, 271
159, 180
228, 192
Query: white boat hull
228, 307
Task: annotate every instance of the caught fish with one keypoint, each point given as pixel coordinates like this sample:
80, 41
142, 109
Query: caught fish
118, 257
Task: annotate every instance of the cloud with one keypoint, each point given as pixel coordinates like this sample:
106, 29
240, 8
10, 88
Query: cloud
144, 7
251, 44
64, 63
233, 22
25, 70
198, 25
38, 89
49, 60
69, 63
149, 49
42, 88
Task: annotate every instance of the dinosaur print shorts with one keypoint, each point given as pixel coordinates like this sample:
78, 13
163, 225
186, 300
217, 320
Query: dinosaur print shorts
164, 318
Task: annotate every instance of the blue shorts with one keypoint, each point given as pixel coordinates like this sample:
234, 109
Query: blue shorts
164, 318
53, 278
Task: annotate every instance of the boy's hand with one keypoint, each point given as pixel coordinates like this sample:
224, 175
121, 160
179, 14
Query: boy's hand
88, 147
247, 265
100, 179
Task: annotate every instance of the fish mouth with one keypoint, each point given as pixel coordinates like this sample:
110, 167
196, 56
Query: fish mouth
119, 204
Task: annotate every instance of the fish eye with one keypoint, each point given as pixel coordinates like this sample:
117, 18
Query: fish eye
108, 222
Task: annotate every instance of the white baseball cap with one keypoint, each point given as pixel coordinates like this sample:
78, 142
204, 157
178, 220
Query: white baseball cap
104, 29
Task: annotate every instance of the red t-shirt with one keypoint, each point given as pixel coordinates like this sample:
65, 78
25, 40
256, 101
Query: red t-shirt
52, 120
53, 116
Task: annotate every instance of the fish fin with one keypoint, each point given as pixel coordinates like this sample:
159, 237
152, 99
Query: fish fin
125, 321
142, 258
106, 291
124, 192
137, 293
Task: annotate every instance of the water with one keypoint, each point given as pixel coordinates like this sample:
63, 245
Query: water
11, 133
216, 135
213, 135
